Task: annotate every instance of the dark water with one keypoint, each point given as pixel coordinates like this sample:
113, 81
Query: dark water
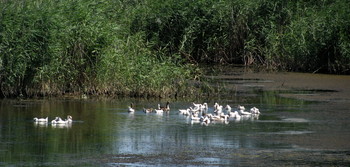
289, 132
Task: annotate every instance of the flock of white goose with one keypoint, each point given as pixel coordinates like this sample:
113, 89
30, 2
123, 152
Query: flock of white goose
200, 112
196, 112
57, 120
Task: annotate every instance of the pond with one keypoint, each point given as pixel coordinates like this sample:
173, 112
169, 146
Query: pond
304, 120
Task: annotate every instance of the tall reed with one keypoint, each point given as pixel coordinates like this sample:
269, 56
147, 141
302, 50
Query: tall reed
152, 47
298, 35
57, 47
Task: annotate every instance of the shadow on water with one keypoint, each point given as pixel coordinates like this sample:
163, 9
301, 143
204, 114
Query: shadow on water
290, 131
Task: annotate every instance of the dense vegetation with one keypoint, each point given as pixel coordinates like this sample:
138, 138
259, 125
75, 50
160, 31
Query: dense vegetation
58, 47
298, 35
148, 48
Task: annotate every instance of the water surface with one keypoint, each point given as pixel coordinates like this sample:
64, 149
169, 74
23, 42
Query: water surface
300, 124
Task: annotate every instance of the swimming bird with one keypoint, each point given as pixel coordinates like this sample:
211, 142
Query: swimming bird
41, 119
224, 117
166, 108
201, 107
147, 110
232, 114
59, 120
187, 112
218, 109
241, 107
205, 119
228, 109
69, 119
195, 117
242, 112
216, 105
213, 117
184, 111
157, 111
131, 109
56, 119
204, 106
196, 105
254, 110
194, 110
235, 115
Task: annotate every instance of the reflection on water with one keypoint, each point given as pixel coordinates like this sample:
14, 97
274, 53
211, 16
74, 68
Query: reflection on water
105, 127
61, 125
41, 124
53, 125
104, 133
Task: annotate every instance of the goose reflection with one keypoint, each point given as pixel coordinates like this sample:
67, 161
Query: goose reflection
61, 126
40, 124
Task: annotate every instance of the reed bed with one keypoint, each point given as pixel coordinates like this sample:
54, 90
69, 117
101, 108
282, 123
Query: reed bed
153, 47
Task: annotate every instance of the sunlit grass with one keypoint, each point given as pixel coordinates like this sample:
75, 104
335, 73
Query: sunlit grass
153, 47
59, 47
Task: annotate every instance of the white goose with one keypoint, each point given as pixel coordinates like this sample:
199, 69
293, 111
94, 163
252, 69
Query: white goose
216, 105
204, 106
228, 109
241, 110
188, 112
241, 107
195, 117
196, 105
235, 115
218, 110
193, 110
147, 110
40, 119
224, 117
131, 109
184, 111
166, 108
205, 119
157, 111
254, 110
201, 107
69, 119
58, 120
214, 117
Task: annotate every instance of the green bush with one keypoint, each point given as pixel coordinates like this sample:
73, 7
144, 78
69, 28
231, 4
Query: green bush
310, 36
148, 48
58, 47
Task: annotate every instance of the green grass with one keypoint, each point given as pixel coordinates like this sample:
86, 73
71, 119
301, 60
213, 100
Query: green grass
152, 47
307, 36
58, 47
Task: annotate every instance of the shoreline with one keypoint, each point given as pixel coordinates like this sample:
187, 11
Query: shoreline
315, 87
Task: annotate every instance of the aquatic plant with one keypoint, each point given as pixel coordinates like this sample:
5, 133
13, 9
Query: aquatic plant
152, 47
290, 35
59, 47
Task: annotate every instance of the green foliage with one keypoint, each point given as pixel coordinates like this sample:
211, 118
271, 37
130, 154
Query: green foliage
132, 69
292, 35
311, 41
196, 30
57, 47
147, 48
